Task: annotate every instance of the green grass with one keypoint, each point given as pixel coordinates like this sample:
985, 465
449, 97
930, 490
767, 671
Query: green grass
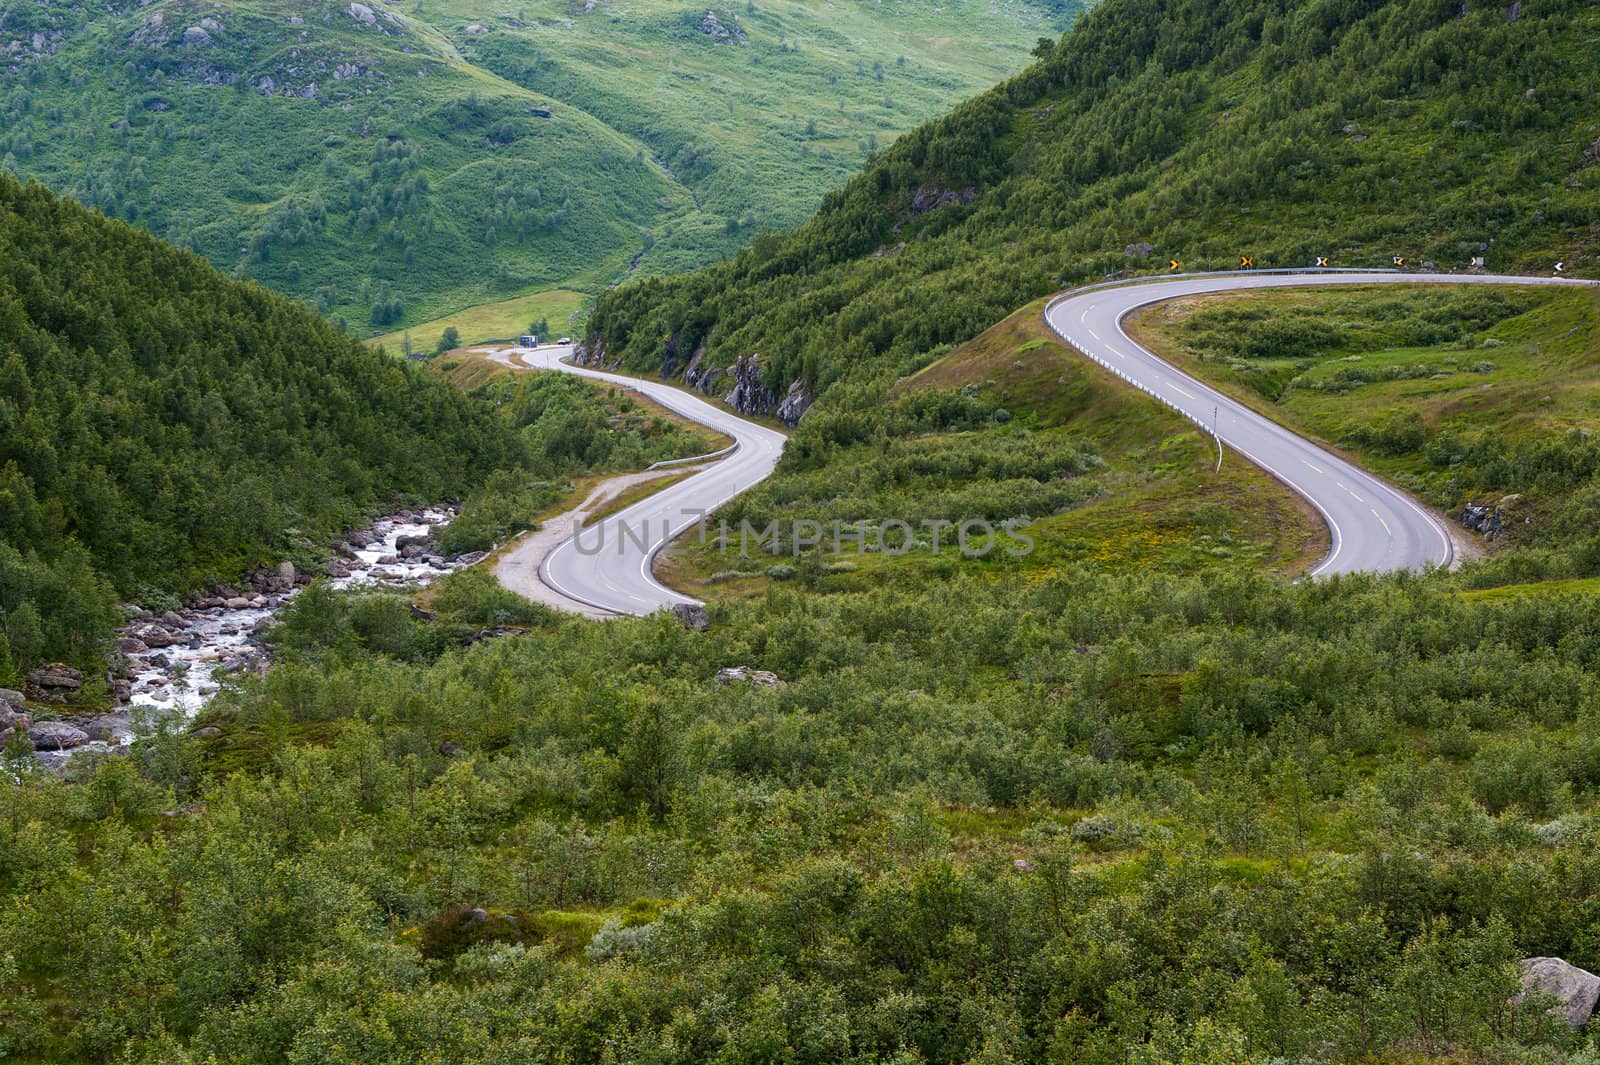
396, 173
1585, 586
504, 320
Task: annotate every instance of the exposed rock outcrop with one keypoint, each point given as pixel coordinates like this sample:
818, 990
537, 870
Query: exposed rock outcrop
760, 677
749, 395
930, 196
692, 616
795, 403
723, 28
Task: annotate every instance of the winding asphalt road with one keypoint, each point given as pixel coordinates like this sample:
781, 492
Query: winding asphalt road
607, 565
1374, 526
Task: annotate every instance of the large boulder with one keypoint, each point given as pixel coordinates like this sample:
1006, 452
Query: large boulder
56, 736
692, 616
13, 700
54, 683
1575, 990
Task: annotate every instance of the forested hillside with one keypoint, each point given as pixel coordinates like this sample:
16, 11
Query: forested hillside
392, 163
161, 424
1160, 129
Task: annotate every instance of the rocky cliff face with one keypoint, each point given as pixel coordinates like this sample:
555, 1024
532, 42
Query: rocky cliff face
739, 385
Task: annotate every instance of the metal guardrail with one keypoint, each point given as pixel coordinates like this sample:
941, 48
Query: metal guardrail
707, 457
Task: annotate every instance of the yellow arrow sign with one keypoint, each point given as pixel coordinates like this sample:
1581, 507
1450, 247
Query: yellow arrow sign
1245, 262
1172, 264
1322, 260
1399, 260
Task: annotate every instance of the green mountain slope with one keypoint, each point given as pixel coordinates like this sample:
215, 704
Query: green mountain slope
394, 163
1169, 128
161, 424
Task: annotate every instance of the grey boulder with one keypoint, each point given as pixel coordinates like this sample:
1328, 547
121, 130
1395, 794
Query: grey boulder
1575, 990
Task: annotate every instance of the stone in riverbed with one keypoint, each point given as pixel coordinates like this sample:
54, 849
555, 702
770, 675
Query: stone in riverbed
238, 602
389, 560
12, 699
128, 645
56, 736
108, 727
153, 637
333, 569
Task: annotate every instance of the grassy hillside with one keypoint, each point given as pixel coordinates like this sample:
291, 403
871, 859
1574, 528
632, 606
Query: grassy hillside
1011, 425
393, 163
1169, 128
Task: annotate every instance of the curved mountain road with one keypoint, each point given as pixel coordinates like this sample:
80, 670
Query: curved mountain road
606, 566
1374, 526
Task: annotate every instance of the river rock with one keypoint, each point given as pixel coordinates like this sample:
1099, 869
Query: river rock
130, 645
403, 542
56, 736
107, 727
238, 602
153, 637
122, 690
1575, 990
334, 569
12, 700
55, 683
